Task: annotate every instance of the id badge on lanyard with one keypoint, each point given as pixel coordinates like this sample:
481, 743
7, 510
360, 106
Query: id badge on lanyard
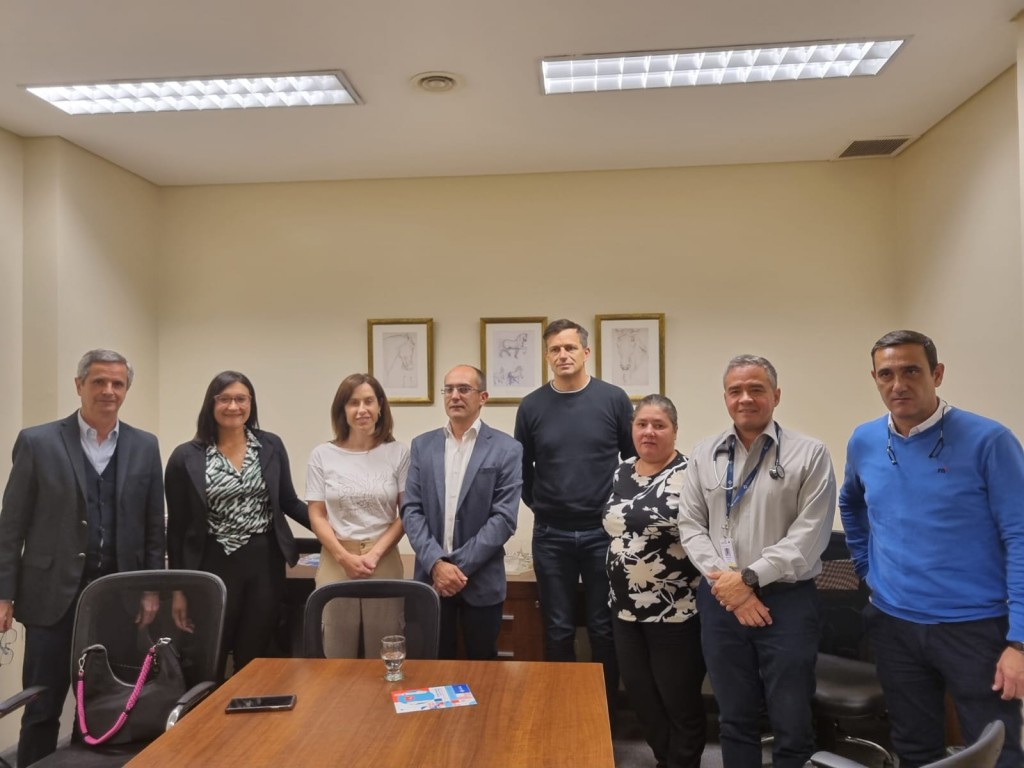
728, 553
728, 550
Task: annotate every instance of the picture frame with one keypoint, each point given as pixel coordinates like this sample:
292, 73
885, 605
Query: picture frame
401, 358
512, 356
631, 352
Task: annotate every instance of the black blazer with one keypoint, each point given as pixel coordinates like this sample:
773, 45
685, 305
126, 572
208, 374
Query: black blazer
187, 521
44, 522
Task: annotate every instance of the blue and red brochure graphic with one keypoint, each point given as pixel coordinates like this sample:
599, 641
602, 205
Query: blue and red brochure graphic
439, 697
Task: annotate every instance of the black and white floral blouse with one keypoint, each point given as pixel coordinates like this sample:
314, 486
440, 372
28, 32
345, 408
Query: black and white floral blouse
649, 575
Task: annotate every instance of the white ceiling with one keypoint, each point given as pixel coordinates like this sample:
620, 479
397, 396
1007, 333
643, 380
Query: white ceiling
498, 121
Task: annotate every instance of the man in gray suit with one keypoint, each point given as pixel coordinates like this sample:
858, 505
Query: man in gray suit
84, 499
461, 506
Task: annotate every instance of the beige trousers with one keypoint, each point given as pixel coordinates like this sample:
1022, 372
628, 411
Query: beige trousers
346, 620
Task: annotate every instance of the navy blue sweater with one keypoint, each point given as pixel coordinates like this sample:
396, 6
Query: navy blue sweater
572, 442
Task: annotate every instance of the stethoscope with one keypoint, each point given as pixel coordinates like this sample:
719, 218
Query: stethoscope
935, 451
777, 472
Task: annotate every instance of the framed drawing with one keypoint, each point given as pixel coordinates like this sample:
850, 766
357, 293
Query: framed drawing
512, 356
631, 352
401, 353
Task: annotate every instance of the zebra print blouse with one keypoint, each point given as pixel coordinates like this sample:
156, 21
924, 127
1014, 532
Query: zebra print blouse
238, 500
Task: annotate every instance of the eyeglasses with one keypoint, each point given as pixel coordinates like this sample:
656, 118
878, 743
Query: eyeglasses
463, 389
936, 449
229, 399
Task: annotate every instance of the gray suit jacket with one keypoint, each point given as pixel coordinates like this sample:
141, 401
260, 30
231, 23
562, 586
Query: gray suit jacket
485, 518
43, 521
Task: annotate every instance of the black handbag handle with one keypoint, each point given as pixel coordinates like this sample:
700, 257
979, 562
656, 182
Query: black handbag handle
132, 697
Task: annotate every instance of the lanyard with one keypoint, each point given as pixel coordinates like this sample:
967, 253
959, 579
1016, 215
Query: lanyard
730, 502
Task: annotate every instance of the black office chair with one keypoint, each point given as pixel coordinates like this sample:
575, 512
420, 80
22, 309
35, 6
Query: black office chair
106, 615
422, 612
847, 684
984, 753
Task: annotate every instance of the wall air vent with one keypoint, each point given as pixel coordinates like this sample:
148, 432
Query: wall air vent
874, 147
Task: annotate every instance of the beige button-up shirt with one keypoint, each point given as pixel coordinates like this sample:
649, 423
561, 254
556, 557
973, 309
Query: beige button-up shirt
780, 527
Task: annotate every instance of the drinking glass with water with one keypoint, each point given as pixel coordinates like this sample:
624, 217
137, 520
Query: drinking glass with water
392, 651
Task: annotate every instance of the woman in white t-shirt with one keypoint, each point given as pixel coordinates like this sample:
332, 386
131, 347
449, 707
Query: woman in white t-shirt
354, 488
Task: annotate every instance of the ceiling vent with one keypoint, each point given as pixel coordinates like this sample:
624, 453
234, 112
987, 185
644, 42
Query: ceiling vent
875, 147
435, 82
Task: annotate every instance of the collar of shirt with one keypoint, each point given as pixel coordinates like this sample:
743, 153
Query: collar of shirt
473, 431
768, 431
568, 391
92, 435
252, 444
940, 410
98, 454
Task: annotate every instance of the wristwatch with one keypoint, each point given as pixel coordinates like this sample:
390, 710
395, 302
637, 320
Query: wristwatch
1017, 645
750, 578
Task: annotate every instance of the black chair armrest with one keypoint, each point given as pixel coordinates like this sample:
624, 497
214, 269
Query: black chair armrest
20, 699
830, 760
188, 700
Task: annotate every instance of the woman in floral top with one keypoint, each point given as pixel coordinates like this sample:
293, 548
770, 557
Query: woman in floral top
657, 631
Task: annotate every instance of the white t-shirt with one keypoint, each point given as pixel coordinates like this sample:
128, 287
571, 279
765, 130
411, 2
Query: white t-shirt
360, 488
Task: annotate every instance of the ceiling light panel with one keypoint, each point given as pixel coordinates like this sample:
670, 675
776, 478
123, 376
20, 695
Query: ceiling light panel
722, 66
304, 89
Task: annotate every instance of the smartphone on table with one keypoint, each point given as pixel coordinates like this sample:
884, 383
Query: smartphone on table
260, 704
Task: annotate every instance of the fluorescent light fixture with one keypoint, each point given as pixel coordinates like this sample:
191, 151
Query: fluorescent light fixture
299, 89
719, 66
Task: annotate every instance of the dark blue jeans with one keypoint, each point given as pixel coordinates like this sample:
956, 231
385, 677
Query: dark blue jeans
757, 668
561, 559
918, 663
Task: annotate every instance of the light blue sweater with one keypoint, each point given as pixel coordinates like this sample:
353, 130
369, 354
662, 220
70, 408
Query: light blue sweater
939, 539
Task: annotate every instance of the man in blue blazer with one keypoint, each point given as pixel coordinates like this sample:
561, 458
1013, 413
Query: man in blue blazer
84, 499
461, 506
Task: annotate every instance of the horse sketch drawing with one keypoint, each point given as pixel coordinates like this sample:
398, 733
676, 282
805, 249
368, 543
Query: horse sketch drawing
631, 346
513, 346
514, 377
400, 360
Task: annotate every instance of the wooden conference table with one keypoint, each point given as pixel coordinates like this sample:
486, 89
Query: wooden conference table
527, 714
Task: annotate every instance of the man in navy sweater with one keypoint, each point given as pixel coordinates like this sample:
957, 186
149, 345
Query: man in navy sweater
931, 505
573, 431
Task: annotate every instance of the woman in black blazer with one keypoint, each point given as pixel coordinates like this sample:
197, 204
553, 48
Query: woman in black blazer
228, 492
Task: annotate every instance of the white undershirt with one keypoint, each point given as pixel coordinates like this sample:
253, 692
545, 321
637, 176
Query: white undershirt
456, 459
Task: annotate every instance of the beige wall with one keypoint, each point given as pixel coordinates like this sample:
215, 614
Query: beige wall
278, 281
90, 276
11, 160
11, 269
959, 267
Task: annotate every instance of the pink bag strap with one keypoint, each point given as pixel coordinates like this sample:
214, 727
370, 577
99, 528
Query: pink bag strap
129, 705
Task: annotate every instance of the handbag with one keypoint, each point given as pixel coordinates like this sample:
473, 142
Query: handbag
125, 712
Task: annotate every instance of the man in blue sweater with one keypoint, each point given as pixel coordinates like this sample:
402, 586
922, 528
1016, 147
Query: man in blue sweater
573, 432
932, 507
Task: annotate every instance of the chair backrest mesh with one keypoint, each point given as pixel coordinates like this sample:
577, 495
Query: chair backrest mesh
415, 605
108, 610
843, 597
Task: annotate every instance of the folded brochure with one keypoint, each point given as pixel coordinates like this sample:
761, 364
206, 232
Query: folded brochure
439, 697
